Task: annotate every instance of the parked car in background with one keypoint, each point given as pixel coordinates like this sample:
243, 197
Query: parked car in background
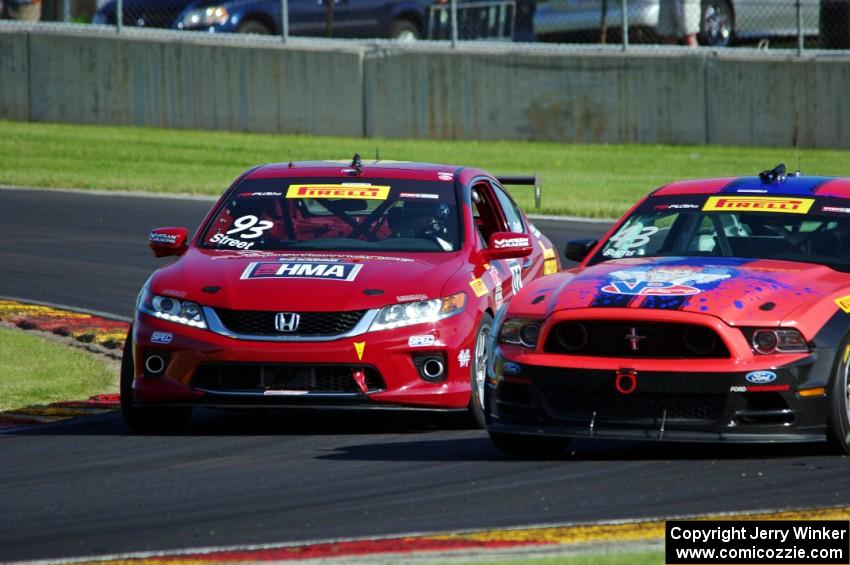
723, 21
389, 19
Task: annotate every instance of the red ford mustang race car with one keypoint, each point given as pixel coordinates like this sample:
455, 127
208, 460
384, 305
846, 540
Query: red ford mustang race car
715, 310
326, 284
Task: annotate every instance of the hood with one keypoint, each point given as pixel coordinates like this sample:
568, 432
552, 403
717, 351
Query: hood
738, 291
325, 282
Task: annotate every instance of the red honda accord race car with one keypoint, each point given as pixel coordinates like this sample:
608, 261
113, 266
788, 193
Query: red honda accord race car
328, 284
714, 310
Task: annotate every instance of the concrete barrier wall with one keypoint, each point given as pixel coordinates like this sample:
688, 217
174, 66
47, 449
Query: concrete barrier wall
98, 79
598, 98
14, 76
423, 91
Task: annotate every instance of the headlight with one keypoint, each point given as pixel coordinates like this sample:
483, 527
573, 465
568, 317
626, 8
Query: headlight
172, 309
779, 341
422, 311
520, 332
204, 17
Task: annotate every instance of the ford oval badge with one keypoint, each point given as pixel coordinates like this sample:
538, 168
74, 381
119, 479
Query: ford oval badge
761, 377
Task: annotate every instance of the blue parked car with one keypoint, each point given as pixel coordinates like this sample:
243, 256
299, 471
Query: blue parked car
393, 19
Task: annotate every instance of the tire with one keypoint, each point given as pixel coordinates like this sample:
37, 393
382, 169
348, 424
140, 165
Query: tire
838, 424
404, 30
253, 26
145, 420
717, 23
529, 447
478, 369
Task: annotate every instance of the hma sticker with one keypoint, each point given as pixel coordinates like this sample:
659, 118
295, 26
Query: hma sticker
302, 270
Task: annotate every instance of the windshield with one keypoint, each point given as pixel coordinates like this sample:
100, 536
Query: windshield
345, 214
814, 230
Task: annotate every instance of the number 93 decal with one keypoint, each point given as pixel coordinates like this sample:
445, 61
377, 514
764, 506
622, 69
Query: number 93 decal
249, 227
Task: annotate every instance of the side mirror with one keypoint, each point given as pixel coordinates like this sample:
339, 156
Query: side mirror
168, 241
508, 245
577, 249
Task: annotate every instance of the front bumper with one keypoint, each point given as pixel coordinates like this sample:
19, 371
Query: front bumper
713, 403
204, 368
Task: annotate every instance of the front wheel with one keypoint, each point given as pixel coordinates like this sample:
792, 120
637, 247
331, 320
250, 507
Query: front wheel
145, 420
478, 369
529, 447
253, 26
838, 431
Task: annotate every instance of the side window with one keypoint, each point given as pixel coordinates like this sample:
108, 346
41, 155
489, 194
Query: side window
511, 212
485, 211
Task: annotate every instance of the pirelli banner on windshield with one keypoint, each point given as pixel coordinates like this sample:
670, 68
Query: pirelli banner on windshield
784, 205
351, 191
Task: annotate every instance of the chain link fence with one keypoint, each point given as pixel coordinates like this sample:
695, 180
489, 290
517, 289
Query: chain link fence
783, 24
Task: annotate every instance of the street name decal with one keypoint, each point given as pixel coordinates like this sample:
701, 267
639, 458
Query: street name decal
302, 270
758, 204
352, 191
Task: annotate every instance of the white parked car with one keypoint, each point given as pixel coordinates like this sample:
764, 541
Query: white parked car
723, 21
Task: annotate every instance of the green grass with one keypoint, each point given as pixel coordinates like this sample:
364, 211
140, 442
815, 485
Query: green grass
34, 370
586, 180
614, 558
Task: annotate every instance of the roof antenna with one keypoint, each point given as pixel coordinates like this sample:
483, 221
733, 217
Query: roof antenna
357, 163
377, 153
775, 174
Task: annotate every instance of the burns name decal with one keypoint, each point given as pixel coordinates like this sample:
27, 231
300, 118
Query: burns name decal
302, 270
663, 281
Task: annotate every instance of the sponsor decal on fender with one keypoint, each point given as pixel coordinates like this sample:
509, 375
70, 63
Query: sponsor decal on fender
509, 242
420, 340
478, 287
302, 270
162, 338
759, 204
463, 358
352, 191
843, 303
550, 266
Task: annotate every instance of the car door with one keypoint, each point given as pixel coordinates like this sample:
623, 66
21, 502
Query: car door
494, 211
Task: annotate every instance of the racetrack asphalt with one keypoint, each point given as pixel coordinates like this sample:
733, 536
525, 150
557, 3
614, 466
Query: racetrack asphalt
88, 487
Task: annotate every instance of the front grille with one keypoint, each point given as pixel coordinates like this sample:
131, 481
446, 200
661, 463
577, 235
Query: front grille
248, 322
580, 407
608, 338
260, 378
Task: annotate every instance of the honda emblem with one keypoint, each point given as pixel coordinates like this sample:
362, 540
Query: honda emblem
286, 321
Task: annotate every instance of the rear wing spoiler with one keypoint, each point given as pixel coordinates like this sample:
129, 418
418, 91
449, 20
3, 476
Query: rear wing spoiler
524, 180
